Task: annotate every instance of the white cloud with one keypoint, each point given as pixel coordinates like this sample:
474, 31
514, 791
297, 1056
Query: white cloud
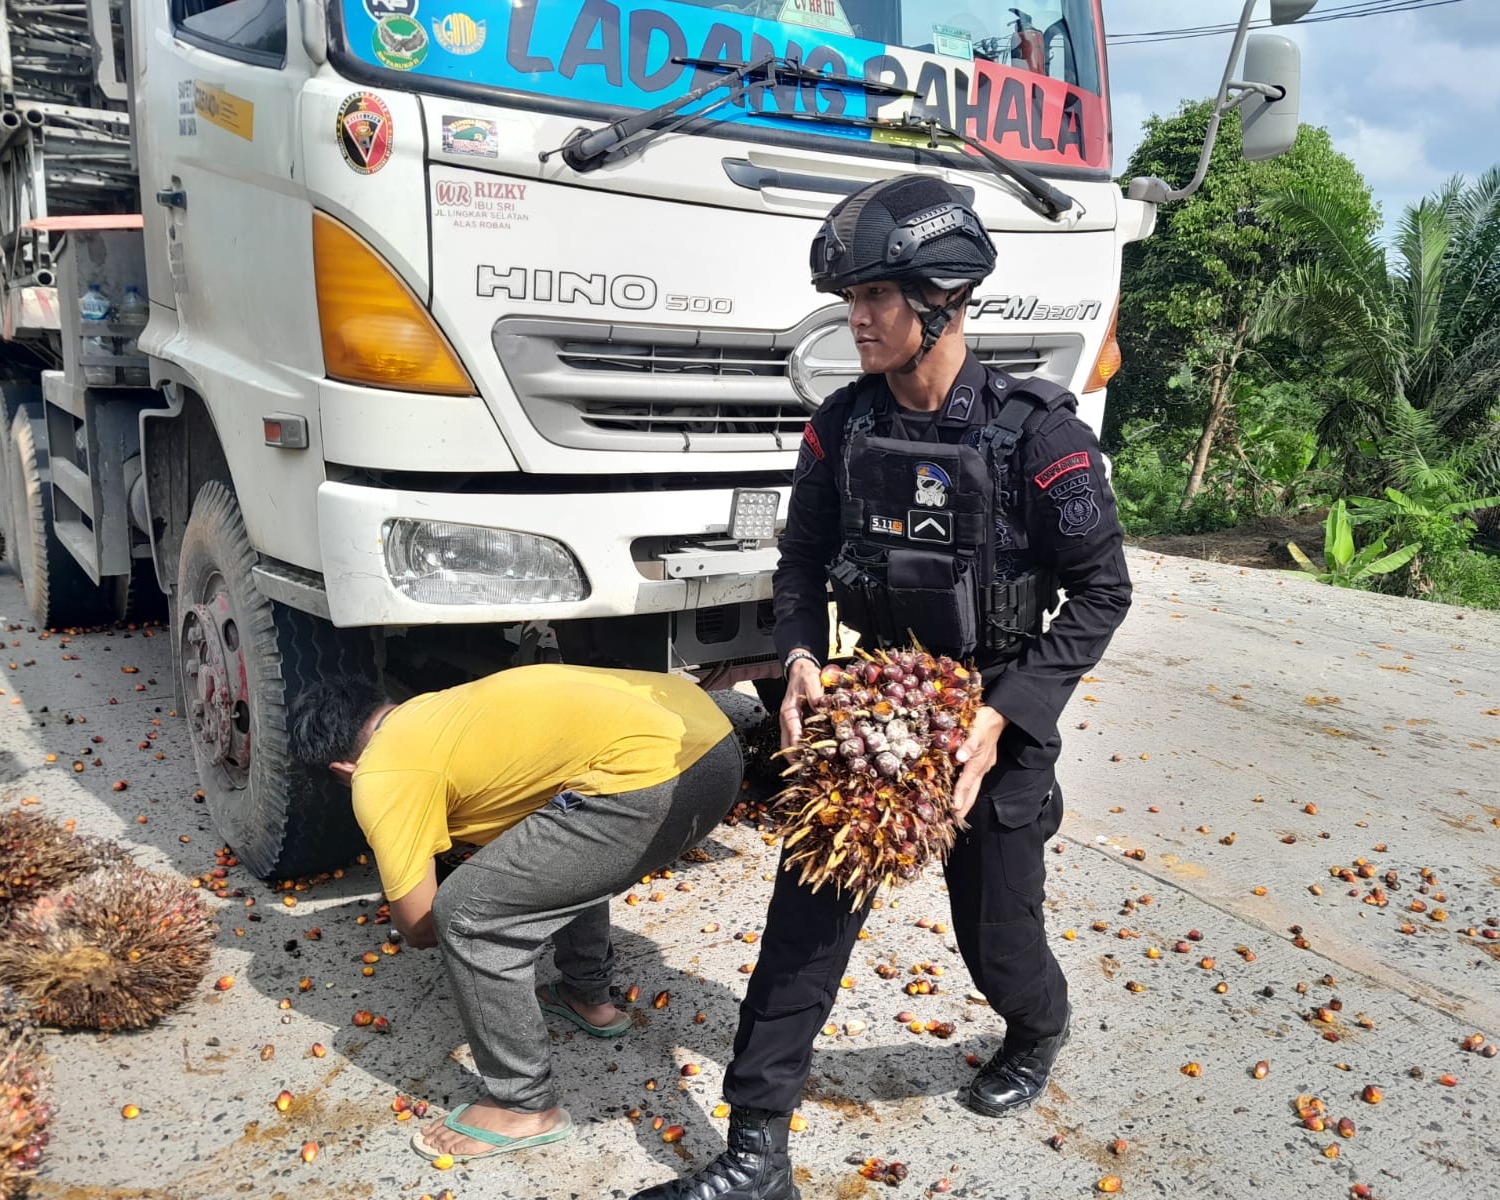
1391, 160
1470, 73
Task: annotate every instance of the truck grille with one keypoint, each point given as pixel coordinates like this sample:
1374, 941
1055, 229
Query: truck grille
634, 387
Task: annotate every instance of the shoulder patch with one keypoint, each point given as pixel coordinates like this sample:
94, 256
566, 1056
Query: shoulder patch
1077, 461
810, 437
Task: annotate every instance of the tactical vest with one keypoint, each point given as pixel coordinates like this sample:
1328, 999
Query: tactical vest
919, 521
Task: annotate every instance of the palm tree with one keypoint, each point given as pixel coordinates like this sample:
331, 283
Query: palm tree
1415, 338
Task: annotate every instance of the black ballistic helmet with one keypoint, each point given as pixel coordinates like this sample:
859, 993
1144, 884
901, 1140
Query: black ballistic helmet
910, 229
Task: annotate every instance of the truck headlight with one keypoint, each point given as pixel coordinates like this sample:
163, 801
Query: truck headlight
438, 562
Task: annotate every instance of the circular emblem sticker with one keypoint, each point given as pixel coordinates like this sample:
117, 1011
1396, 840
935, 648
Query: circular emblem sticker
400, 42
365, 132
459, 33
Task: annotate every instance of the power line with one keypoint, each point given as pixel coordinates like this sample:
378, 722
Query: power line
1354, 6
1359, 8
1352, 12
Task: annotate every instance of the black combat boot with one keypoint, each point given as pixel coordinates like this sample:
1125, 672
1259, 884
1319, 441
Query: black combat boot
755, 1167
1015, 1076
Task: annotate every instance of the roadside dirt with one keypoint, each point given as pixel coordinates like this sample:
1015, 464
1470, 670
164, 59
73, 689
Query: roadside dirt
1258, 543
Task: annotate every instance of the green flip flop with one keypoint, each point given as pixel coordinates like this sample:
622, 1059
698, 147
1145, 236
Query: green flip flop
499, 1143
559, 1007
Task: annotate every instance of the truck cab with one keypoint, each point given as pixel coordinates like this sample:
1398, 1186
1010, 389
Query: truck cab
482, 333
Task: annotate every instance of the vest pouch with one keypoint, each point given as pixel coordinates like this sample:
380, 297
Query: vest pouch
935, 597
858, 591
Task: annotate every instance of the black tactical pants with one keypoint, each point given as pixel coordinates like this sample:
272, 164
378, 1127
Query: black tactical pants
996, 880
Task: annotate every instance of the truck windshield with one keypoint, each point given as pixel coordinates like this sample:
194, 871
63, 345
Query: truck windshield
1027, 82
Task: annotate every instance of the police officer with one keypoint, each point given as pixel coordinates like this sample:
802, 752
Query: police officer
946, 501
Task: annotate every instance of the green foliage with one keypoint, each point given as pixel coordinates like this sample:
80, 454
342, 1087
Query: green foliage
1414, 340
1437, 526
1278, 355
1469, 577
1343, 564
1187, 292
1149, 473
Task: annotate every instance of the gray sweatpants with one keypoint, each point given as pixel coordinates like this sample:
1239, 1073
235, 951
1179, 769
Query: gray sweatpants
553, 875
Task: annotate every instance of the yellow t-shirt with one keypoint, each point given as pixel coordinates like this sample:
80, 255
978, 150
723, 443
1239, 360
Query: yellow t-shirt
467, 763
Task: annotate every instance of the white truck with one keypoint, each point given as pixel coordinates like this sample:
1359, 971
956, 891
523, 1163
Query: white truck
481, 332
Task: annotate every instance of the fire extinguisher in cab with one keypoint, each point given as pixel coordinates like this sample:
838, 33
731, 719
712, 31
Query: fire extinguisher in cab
1027, 49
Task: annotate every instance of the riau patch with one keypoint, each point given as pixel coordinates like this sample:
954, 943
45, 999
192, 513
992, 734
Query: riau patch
1078, 461
365, 132
1077, 505
894, 526
810, 439
933, 485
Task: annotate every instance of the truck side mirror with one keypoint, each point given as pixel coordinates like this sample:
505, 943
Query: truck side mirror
1270, 126
1284, 12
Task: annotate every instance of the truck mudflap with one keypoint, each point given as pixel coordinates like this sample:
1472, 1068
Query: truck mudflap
601, 532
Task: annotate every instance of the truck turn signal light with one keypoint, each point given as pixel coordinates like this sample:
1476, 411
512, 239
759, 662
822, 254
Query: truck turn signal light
1107, 365
375, 331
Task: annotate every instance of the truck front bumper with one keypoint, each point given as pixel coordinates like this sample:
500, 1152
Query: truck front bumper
599, 530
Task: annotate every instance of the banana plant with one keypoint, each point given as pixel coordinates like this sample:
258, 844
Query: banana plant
1343, 564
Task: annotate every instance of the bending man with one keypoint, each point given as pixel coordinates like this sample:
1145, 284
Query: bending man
575, 782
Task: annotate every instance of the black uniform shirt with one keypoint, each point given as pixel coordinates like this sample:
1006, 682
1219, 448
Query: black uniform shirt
1057, 494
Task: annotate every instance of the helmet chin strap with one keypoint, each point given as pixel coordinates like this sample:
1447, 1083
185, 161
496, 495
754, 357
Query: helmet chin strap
935, 319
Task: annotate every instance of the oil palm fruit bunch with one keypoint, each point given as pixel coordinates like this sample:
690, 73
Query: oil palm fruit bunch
870, 798
24, 1112
38, 855
115, 949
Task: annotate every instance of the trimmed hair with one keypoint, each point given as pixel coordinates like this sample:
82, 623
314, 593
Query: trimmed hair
324, 720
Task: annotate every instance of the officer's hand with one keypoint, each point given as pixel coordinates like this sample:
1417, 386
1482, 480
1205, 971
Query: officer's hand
803, 686
978, 755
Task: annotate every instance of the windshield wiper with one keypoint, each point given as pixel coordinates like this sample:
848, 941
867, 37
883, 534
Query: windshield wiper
1039, 195
588, 149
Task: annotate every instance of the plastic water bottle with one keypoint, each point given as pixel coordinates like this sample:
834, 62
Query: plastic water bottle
93, 312
93, 305
132, 316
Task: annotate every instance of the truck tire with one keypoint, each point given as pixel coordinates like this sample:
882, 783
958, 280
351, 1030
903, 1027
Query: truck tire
14, 397
134, 597
58, 592
241, 658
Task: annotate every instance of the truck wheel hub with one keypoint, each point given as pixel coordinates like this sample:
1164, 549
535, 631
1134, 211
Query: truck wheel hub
217, 689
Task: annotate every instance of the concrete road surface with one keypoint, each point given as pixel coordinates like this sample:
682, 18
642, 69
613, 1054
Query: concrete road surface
1249, 736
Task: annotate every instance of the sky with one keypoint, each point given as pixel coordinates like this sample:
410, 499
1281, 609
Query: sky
1413, 98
